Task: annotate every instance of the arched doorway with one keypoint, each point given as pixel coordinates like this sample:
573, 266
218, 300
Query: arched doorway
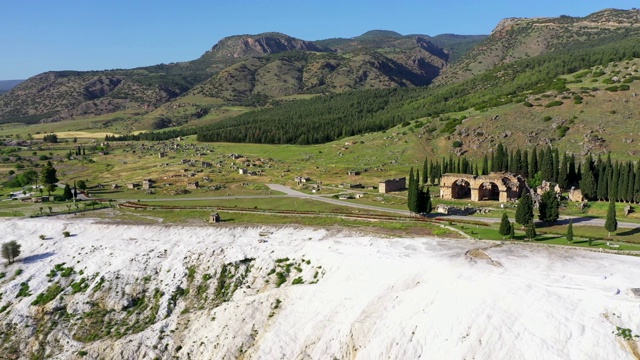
461, 189
488, 191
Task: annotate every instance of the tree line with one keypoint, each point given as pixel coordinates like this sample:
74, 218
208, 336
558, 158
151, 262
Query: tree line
327, 118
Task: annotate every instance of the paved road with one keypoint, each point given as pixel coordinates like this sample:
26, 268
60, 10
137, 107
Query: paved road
562, 221
324, 198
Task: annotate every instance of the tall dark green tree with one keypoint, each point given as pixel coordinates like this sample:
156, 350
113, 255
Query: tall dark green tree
533, 163
424, 205
412, 196
531, 231
631, 178
563, 179
425, 171
67, 194
636, 184
547, 165
505, 225
525, 164
485, 165
613, 182
524, 210
569, 235
549, 207
588, 184
572, 173
603, 182
11, 250
48, 177
611, 223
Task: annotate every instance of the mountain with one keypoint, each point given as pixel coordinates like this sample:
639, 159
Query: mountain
519, 38
6, 85
239, 70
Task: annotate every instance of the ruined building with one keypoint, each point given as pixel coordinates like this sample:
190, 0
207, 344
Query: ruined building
501, 187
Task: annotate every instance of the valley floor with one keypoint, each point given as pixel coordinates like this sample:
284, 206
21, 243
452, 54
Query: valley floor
298, 293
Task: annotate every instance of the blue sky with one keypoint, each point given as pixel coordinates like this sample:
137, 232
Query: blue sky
42, 35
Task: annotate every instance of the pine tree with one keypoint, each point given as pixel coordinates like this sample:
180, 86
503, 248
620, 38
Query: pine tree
570, 231
505, 225
611, 224
549, 207
531, 231
11, 250
512, 231
48, 177
524, 210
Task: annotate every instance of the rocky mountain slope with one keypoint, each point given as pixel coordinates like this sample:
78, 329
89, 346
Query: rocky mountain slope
243, 69
517, 38
157, 292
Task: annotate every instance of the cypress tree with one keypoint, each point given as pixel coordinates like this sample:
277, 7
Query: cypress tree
518, 162
433, 172
603, 182
512, 231
425, 171
525, 164
622, 182
588, 184
485, 165
533, 164
524, 210
424, 205
549, 207
547, 165
556, 164
531, 231
412, 196
613, 182
563, 180
630, 182
569, 235
611, 224
67, 194
505, 225
572, 175
636, 184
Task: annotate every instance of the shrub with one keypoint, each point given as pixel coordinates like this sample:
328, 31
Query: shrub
546, 118
562, 131
527, 104
42, 237
457, 144
297, 281
66, 234
554, 103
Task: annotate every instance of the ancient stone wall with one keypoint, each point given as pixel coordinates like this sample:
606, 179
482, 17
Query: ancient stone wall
501, 187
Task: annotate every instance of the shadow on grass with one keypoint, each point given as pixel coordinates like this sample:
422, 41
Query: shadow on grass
630, 232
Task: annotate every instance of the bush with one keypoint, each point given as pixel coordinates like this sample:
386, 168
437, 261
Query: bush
527, 104
546, 118
554, 103
457, 144
66, 234
42, 237
562, 131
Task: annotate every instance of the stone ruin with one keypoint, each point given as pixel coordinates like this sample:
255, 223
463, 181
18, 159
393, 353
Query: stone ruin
497, 186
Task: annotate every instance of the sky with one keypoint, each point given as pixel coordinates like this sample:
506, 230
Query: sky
43, 35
